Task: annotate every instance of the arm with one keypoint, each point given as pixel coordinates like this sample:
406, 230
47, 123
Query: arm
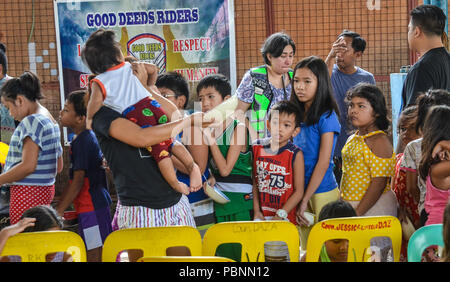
147, 75
299, 179
440, 174
60, 164
225, 165
326, 146
27, 166
71, 192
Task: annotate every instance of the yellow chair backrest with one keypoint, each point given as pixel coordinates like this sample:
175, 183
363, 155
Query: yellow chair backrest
358, 231
185, 259
252, 235
34, 246
153, 241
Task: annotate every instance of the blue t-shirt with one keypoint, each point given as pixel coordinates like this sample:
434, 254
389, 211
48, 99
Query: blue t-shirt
341, 83
309, 141
85, 155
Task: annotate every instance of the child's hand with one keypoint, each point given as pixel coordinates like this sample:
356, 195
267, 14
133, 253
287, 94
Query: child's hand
195, 177
140, 72
18, 227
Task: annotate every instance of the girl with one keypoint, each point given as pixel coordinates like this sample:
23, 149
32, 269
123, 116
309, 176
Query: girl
407, 205
436, 168
368, 157
317, 138
35, 152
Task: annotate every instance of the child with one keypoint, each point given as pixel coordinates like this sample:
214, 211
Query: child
335, 250
35, 152
116, 86
318, 136
407, 205
278, 171
231, 162
435, 168
87, 188
415, 185
368, 157
39, 218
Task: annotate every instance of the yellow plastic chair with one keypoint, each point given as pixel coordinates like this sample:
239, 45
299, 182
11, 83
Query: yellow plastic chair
34, 246
252, 235
358, 231
153, 241
185, 259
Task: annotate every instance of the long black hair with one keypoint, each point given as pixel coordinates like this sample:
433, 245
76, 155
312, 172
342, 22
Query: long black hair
324, 99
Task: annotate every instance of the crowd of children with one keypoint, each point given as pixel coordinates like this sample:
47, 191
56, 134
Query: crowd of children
161, 158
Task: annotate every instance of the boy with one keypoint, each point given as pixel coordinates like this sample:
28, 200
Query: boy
87, 186
278, 167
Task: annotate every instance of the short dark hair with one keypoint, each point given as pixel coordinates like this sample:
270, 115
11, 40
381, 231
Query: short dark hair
324, 100
286, 107
27, 84
375, 97
3, 58
101, 51
218, 81
275, 44
77, 99
425, 101
336, 209
358, 43
175, 82
46, 218
429, 18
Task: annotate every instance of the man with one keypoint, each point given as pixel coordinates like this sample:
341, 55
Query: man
432, 70
341, 62
7, 122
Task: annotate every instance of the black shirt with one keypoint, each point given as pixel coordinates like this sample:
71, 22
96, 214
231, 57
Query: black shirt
431, 71
137, 178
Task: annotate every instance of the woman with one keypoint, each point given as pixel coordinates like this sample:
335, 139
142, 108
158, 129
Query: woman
263, 86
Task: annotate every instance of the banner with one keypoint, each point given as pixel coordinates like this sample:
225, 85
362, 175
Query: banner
192, 37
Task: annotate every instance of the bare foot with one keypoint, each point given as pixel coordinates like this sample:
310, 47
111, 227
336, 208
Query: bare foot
195, 178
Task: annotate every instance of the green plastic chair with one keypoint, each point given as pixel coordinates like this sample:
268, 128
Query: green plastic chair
423, 238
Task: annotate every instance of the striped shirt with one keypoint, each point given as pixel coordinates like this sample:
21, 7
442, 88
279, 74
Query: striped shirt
46, 135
